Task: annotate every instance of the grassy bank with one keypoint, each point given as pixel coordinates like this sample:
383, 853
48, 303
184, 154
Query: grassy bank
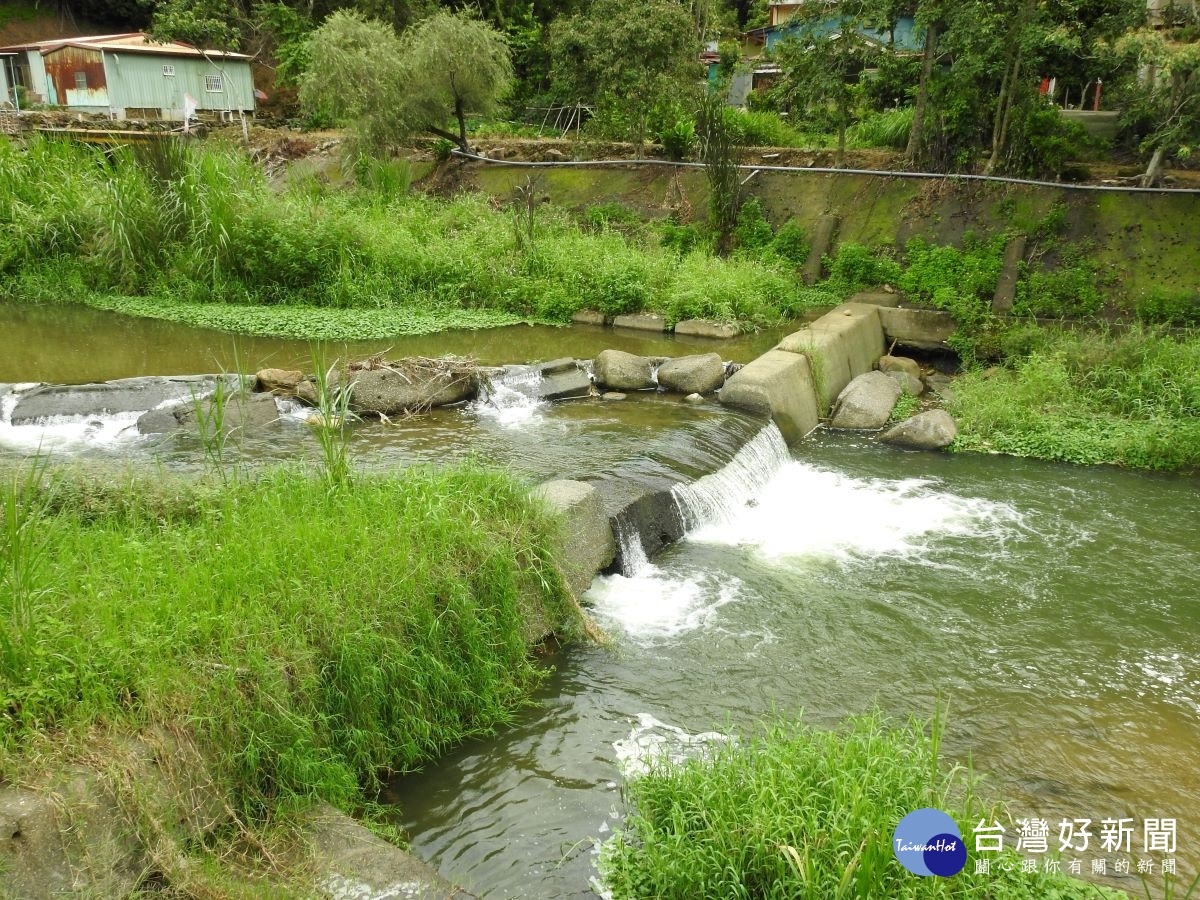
311, 638
198, 235
798, 812
1129, 399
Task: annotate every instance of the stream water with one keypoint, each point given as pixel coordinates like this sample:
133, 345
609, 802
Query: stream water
1053, 608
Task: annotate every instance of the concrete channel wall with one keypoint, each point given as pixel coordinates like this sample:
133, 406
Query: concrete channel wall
797, 381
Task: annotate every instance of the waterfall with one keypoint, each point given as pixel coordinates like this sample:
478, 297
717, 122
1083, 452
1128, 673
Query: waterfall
630, 552
719, 496
511, 398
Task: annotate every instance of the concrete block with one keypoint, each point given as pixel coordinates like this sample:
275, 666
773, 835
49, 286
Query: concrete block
844, 343
641, 322
925, 329
707, 329
589, 317
587, 546
778, 384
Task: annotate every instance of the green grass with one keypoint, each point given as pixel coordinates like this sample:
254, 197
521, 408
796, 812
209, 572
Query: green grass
1129, 399
312, 636
199, 236
798, 812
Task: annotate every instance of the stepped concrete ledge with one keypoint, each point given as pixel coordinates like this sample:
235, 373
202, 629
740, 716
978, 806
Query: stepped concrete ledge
778, 384
808, 369
841, 345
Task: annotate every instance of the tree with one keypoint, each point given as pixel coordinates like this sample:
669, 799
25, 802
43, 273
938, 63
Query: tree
820, 63
449, 65
720, 151
627, 58
1168, 97
456, 64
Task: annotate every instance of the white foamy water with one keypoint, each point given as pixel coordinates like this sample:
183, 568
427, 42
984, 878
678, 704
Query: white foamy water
64, 432
652, 740
653, 604
807, 511
511, 399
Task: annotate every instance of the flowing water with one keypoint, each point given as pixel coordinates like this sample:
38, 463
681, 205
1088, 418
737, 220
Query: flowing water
1055, 609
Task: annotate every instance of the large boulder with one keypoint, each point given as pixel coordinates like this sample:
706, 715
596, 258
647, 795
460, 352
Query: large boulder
866, 402
408, 387
700, 374
586, 543
891, 363
565, 385
239, 412
278, 381
908, 384
623, 371
930, 430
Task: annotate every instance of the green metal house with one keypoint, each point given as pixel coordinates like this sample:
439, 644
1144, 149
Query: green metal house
127, 76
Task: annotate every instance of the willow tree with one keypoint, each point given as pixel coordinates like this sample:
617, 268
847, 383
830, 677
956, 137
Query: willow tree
389, 87
454, 64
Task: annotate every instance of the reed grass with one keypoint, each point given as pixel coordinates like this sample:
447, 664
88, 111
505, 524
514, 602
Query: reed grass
312, 640
798, 812
199, 235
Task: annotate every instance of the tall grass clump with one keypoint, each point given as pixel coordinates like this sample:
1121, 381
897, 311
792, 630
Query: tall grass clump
310, 640
1129, 399
888, 129
798, 812
198, 235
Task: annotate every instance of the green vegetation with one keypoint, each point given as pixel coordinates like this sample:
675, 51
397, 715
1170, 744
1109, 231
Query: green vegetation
387, 87
199, 236
311, 634
798, 812
1130, 399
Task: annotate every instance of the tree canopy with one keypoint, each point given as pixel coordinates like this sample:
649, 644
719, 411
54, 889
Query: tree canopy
625, 57
387, 86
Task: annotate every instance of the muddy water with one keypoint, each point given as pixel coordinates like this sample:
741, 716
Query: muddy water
1055, 609
74, 345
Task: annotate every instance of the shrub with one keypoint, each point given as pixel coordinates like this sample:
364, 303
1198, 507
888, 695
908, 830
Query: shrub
679, 139
753, 231
1168, 306
882, 129
854, 267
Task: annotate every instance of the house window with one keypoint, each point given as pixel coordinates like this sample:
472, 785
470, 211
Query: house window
81, 81
168, 71
212, 84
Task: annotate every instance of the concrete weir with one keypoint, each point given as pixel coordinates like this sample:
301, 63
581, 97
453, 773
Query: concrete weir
798, 379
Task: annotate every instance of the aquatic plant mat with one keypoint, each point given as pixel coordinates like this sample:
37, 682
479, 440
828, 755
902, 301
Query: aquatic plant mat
310, 637
794, 811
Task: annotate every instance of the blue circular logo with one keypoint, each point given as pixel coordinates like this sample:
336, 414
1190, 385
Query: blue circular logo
928, 842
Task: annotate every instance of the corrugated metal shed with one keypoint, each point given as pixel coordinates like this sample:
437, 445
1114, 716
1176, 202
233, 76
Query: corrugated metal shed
6, 78
129, 76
